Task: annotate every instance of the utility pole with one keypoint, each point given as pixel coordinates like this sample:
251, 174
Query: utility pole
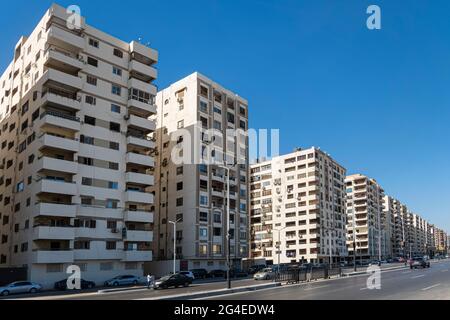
174, 245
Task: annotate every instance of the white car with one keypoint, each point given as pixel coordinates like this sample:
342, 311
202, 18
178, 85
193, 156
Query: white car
187, 274
20, 287
264, 274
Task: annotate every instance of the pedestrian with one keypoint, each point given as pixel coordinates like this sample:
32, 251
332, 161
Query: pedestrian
149, 281
152, 280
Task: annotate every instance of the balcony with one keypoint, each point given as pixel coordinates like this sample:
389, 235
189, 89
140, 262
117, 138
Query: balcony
139, 236
143, 108
53, 233
97, 233
143, 86
60, 120
143, 71
139, 179
148, 53
64, 39
53, 97
142, 141
56, 210
52, 164
65, 80
47, 256
57, 187
139, 197
59, 143
95, 254
138, 216
64, 61
141, 123
139, 159
135, 256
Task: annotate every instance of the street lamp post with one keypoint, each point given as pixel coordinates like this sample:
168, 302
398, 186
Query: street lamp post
278, 246
174, 244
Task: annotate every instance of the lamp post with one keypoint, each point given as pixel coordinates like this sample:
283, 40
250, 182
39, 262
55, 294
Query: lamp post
174, 244
278, 246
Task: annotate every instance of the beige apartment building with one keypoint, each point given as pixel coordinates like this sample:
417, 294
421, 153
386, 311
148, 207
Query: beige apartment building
298, 208
390, 208
366, 218
74, 108
194, 116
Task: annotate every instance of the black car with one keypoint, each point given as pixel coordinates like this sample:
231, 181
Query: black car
419, 262
174, 280
84, 284
217, 274
254, 269
238, 273
200, 273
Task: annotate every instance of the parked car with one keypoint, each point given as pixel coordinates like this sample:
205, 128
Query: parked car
20, 287
187, 274
173, 280
238, 273
254, 269
200, 273
84, 284
217, 273
419, 262
122, 280
264, 274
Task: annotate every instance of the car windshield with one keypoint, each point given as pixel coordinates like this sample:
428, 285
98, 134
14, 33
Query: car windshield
165, 278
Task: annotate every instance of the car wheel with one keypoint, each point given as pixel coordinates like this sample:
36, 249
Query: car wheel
33, 290
5, 293
186, 284
164, 286
115, 284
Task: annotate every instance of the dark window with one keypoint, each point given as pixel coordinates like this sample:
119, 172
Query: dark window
89, 120
114, 126
92, 61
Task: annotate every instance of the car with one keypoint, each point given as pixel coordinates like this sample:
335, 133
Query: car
200, 273
264, 274
217, 273
254, 269
84, 284
419, 262
122, 280
20, 287
238, 273
173, 280
187, 274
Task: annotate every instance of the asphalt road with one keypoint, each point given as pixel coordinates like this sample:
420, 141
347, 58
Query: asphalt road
138, 293
402, 284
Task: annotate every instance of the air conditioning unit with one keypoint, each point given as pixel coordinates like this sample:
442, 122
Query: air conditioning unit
114, 231
127, 117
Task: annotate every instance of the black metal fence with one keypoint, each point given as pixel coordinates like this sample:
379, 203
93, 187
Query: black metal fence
302, 274
8, 275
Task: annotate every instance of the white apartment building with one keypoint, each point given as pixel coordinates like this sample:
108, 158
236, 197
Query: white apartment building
74, 108
366, 219
194, 114
298, 208
390, 207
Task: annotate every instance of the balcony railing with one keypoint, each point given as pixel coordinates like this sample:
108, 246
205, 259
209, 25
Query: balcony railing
60, 115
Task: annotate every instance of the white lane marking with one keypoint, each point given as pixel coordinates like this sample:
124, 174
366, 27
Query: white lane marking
406, 272
431, 287
363, 289
419, 276
318, 287
445, 270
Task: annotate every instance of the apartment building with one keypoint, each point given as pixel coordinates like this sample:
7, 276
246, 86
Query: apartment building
366, 218
441, 241
390, 209
196, 122
74, 108
297, 208
399, 211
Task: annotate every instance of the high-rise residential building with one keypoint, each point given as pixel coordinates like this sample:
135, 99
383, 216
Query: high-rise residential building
74, 104
196, 122
390, 209
298, 208
441, 241
366, 219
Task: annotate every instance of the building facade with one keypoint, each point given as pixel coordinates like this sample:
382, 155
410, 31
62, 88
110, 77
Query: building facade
195, 124
75, 152
297, 208
366, 218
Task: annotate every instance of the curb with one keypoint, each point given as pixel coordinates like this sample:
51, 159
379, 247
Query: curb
121, 289
212, 293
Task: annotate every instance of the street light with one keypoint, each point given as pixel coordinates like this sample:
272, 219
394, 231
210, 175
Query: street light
278, 246
174, 244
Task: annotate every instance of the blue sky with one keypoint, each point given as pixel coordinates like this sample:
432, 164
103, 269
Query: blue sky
377, 101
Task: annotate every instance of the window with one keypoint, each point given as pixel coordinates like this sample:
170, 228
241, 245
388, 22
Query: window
20, 186
91, 80
114, 126
179, 186
110, 245
113, 185
203, 107
180, 124
115, 108
116, 90
118, 53
117, 71
179, 171
114, 145
203, 232
217, 232
90, 100
203, 249
89, 120
106, 266
203, 200
203, 216
179, 202
92, 61
93, 43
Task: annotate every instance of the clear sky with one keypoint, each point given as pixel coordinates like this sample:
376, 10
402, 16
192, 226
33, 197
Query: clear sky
377, 101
